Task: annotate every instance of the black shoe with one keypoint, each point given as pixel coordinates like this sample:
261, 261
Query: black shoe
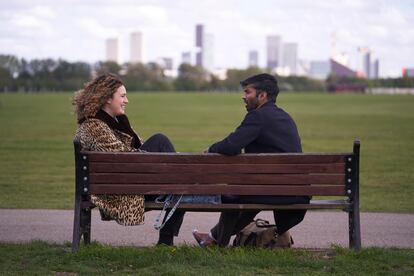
166, 240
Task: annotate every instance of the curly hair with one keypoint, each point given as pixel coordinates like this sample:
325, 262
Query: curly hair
94, 95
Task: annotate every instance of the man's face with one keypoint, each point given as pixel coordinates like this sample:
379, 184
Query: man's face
251, 99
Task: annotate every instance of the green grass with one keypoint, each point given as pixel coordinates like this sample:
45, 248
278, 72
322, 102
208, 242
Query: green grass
40, 258
36, 151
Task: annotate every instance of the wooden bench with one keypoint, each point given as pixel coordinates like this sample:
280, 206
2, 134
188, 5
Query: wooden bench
312, 174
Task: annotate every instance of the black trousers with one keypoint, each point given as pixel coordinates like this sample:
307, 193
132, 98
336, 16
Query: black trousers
232, 222
161, 143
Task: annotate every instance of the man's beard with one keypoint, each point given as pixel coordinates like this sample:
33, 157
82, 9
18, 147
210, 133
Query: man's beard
251, 104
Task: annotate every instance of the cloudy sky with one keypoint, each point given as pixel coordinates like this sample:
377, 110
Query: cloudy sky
76, 30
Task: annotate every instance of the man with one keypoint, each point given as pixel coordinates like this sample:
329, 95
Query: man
265, 129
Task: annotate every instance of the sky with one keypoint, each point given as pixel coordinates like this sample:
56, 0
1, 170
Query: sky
76, 30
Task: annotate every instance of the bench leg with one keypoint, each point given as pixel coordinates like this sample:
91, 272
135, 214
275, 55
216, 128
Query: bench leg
86, 225
81, 226
354, 221
354, 229
76, 226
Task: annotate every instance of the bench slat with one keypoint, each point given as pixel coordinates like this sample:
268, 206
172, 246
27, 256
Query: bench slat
153, 189
314, 204
212, 158
214, 168
194, 178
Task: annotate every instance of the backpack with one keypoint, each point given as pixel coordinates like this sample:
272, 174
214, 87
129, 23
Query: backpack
259, 233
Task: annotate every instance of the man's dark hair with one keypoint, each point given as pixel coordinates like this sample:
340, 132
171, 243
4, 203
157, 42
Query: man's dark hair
263, 82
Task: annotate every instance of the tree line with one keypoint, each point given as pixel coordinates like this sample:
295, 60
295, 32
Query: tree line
21, 75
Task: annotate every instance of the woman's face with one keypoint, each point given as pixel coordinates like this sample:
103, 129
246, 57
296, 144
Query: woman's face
115, 106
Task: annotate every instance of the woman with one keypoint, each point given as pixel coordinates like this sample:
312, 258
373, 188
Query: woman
103, 126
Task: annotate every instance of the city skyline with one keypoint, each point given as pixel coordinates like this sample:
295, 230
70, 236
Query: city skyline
75, 30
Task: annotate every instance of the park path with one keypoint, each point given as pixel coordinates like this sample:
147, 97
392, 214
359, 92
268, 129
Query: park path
320, 229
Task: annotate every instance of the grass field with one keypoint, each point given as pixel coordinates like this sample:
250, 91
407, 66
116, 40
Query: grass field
39, 258
36, 151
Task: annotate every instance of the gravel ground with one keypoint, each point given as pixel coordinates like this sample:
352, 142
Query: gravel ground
320, 229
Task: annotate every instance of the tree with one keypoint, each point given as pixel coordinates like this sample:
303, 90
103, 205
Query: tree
107, 67
234, 76
11, 63
300, 84
145, 77
190, 78
6, 80
71, 76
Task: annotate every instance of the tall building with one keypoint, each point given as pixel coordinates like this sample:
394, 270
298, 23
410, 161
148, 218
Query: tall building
199, 44
273, 44
290, 57
208, 54
374, 70
367, 63
186, 57
112, 49
205, 44
253, 58
136, 47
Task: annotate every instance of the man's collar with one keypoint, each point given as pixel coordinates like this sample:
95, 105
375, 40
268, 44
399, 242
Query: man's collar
268, 103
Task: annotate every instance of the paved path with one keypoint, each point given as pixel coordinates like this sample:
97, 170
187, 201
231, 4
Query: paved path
320, 229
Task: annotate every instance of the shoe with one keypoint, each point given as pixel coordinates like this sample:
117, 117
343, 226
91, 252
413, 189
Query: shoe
166, 240
284, 240
203, 239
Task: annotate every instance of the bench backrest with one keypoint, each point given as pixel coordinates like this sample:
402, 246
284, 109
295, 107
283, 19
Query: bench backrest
325, 174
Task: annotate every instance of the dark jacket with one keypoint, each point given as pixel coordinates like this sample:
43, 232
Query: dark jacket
268, 129
264, 130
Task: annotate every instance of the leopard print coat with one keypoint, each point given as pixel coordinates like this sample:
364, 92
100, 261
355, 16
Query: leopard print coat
96, 135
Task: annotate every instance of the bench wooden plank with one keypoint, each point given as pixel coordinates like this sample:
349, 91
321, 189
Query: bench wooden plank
199, 178
314, 204
154, 189
216, 168
213, 158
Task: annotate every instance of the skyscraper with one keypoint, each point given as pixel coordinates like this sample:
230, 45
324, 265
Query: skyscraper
367, 64
199, 44
136, 47
253, 58
204, 43
374, 70
273, 51
112, 49
290, 57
